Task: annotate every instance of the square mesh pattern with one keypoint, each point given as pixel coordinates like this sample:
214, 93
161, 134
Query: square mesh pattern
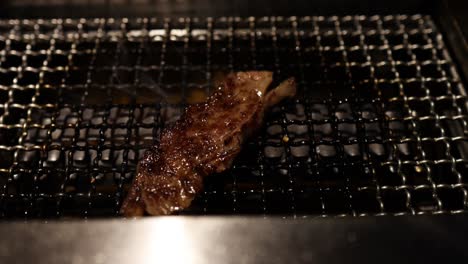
379, 126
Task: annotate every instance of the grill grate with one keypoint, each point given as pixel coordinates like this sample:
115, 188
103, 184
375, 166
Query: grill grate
379, 127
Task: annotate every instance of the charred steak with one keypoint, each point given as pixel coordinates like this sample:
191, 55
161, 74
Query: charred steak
206, 139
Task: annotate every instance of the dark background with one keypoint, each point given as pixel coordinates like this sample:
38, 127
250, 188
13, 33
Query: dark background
117, 8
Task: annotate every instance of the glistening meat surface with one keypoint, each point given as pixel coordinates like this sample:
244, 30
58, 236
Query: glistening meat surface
206, 139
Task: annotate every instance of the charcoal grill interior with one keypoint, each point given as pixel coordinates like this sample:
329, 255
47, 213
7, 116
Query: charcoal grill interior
379, 126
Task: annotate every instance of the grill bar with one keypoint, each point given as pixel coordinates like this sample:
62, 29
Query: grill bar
379, 127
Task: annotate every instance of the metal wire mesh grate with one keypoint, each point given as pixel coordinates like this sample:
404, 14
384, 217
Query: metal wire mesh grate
379, 127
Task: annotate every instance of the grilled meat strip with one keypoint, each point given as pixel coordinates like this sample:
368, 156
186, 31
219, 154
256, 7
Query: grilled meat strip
206, 139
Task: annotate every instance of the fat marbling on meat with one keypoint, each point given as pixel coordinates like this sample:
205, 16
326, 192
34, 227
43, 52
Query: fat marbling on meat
205, 140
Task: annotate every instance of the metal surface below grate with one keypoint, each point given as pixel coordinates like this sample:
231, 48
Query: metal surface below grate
379, 127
